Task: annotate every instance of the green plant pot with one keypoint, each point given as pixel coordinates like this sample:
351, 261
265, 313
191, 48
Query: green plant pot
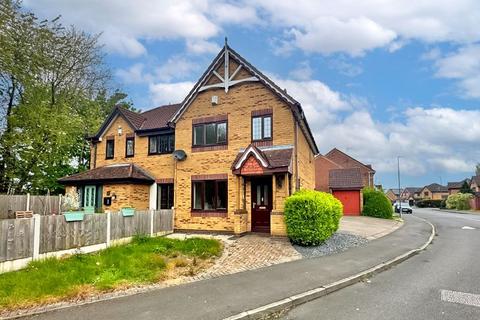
74, 216
128, 212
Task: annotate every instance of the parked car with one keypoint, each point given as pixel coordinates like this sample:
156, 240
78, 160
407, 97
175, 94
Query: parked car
405, 207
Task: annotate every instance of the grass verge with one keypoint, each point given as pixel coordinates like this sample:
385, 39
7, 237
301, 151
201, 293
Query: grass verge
143, 261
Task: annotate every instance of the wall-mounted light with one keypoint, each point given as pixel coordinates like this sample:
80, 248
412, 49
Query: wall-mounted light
119, 130
114, 196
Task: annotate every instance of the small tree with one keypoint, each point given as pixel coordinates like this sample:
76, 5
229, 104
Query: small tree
466, 188
477, 169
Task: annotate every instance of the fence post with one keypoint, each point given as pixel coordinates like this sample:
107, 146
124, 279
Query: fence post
173, 219
36, 236
28, 202
152, 212
59, 204
109, 222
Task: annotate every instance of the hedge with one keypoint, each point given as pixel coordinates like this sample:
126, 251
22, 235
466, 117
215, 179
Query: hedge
376, 204
430, 203
311, 217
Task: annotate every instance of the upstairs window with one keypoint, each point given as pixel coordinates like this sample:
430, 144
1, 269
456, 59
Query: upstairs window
110, 149
130, 147
161, 144
208, 134
262, 128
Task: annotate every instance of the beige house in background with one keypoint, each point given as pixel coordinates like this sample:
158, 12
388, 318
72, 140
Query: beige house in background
225, 158
434, 191
393, 194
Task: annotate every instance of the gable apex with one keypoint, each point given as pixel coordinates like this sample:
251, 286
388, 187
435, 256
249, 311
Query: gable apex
224, 81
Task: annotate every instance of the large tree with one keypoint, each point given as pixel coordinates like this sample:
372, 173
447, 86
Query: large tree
53, 94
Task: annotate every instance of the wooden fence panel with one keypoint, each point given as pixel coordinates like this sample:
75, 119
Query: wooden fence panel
124, 227
162, 220
43, 205
56, 234
16, 239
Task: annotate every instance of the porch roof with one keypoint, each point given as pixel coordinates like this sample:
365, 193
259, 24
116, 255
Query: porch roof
122, 172
271, 159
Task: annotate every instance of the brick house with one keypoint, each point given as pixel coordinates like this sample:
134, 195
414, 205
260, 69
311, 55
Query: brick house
410, 194
393, 194
434, 191
475, 183
346, 161
225, 158
454, 187
343, 176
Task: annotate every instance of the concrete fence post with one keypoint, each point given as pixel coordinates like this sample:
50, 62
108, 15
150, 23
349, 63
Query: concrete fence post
152, 213
28, 202
109, 223
36, 236
173, 219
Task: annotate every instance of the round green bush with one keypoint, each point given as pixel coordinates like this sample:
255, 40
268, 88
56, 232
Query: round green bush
377, 205
459, 201
311, 217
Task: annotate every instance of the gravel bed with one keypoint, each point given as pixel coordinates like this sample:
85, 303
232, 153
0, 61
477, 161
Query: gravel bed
337, 243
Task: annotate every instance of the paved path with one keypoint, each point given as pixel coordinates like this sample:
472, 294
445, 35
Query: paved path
443, 282
367, 227
224, 296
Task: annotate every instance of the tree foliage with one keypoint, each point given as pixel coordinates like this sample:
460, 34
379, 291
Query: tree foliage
459, 201
477, 169
466, 188
53, 94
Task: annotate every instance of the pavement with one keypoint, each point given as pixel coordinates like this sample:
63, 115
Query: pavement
368, 227
225, 296
443, 282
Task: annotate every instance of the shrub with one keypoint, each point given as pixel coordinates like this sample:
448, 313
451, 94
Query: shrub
311, 217
367, 192
377, 205
459, 201
429, 203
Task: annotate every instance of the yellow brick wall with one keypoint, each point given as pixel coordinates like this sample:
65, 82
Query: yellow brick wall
306, 163
127, 195
160, 166
277, 224
238, 104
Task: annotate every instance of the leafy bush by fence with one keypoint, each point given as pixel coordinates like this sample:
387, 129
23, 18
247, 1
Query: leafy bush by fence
311, 217
376, 204
459, 201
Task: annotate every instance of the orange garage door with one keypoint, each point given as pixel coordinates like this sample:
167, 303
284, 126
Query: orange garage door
350, 200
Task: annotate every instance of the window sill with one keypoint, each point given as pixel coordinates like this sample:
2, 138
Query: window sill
210, 148
263, 143
211, 214
159, 154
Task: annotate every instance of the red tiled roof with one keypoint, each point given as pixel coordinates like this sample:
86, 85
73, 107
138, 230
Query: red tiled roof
350, 178
114, 172
436, 188
135, 118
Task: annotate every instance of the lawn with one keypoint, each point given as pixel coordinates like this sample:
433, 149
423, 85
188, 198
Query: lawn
143, 261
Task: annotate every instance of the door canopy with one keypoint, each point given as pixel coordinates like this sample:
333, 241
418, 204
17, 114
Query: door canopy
256, 161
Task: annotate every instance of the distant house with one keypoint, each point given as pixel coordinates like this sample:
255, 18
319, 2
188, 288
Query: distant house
343, 176
393, 194
346, 161
323, 165
434, 191
454, 187
410, 194
475, 183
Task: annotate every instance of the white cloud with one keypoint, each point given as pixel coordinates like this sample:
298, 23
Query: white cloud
464, 66
202, 46
303, 72
134, 74
125, 24
428, 139
167, 93
354, 27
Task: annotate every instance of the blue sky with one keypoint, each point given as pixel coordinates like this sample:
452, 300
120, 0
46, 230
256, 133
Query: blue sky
377, 78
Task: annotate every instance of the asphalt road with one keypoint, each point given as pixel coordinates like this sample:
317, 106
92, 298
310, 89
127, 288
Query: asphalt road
443, 282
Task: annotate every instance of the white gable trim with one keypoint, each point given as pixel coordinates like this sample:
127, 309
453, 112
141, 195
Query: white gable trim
246, 154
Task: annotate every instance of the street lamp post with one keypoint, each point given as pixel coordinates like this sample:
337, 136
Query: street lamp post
399, 196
